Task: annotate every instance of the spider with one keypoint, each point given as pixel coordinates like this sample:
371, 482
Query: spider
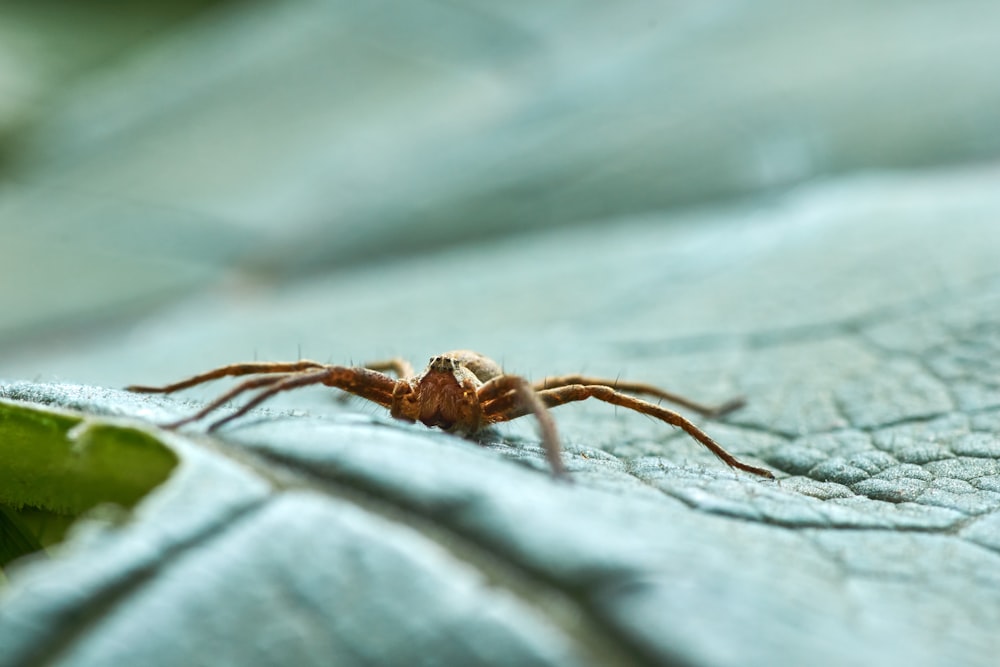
461, 392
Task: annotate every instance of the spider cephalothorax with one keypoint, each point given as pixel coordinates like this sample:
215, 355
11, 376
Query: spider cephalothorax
459, 391
444, 395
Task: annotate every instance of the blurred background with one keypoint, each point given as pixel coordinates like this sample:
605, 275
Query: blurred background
190, 183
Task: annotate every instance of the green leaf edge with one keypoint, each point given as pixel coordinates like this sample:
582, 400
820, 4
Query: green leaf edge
57, 464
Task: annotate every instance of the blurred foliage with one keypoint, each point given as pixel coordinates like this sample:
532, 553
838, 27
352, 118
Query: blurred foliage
45, 45
166, 150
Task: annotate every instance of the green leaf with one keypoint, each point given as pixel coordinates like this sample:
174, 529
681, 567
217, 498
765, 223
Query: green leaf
16, 538
56, 465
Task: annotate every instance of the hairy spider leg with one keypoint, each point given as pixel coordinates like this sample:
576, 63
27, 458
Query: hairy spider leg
364, 382
401, 367
570, 393
641, 388
518, 391
231, 370
253, 383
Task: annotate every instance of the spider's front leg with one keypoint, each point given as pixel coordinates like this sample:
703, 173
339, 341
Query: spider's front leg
401, 367
517, 390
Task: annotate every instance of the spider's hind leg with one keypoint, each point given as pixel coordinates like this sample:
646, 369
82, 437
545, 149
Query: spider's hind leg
366, 383
579, 392
255, 383
642, 389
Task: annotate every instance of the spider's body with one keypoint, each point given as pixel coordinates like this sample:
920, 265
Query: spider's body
460, 391
444, 395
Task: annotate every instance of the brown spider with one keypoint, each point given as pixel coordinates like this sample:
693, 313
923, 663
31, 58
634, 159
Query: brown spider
461, 391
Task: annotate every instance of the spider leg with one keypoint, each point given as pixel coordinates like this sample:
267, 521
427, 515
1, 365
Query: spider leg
529, 402
496, 404
570, 393
401, 367
643, 389
254, 383
364, 382
228, 371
